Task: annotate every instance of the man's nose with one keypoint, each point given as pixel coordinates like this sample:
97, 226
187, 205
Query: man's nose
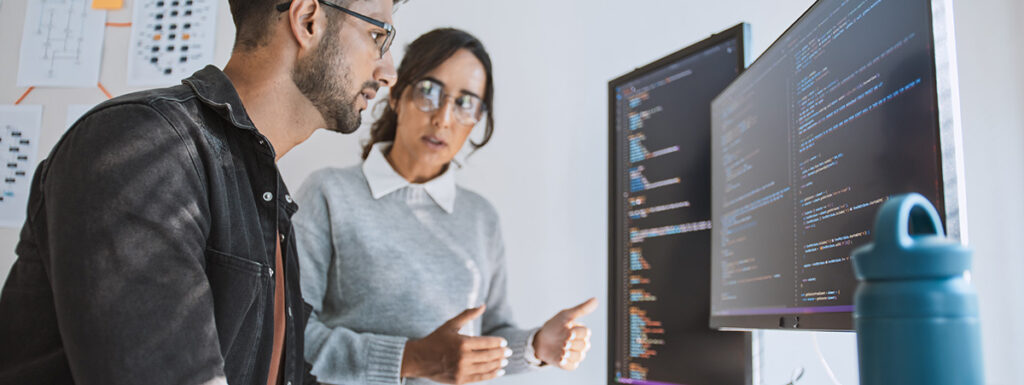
385, 72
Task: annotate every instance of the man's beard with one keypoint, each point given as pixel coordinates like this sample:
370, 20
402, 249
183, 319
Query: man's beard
324, 79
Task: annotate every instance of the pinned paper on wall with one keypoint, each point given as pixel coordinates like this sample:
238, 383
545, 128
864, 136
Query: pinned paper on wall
170, 40
75, 111
19, 134
61, 44
107, 4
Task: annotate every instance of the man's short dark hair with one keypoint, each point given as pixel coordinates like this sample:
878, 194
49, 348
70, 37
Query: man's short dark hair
254, 19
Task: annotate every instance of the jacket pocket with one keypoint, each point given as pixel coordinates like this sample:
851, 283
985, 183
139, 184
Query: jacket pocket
235, 283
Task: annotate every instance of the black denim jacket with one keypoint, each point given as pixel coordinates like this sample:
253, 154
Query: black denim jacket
148, 251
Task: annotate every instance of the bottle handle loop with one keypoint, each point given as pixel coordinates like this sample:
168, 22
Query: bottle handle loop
898, 214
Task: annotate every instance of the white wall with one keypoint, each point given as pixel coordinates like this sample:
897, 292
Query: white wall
545, 170
991, 55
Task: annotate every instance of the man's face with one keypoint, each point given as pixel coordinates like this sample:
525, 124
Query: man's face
346, 69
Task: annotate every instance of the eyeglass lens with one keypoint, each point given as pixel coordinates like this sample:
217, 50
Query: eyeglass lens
430, 95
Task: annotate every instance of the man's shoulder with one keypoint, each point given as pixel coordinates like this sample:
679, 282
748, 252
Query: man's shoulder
177, 93
158, 99
138, 110
152, 124
171, 113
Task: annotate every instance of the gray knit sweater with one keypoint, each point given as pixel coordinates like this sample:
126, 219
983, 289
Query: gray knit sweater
381, 271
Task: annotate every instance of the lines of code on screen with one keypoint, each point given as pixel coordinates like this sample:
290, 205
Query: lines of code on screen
839, 114
662, 129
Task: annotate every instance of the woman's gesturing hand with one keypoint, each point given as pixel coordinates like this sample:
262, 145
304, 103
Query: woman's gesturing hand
449, 357
562, 341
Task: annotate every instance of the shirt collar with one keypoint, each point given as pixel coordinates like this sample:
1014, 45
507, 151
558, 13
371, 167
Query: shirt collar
383, 179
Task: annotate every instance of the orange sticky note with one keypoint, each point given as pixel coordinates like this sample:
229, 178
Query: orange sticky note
107, 4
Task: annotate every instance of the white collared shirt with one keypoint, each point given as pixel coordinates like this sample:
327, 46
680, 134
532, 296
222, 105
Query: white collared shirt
383, 179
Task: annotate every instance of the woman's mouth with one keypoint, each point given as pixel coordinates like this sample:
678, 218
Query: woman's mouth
434, 142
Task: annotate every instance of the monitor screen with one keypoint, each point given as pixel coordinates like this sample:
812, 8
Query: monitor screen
660, 211
839, 114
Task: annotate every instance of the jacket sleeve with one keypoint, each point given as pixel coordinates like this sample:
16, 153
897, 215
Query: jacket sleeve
498, 319
339, 355
126, 214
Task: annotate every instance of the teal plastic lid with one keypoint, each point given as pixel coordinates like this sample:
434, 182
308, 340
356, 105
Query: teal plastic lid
896, 254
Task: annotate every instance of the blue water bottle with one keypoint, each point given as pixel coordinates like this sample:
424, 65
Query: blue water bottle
916, 315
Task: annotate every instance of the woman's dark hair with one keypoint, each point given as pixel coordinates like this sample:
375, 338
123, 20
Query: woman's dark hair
422, 56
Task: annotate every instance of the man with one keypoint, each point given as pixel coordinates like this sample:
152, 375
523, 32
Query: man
158, 244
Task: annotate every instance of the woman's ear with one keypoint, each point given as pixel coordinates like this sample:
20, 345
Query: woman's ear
393, 103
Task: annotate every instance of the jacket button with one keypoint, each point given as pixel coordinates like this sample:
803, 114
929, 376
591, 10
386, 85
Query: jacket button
271, 271
288, 198
267, 196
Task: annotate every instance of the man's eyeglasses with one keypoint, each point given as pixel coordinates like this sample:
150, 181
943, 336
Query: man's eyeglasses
429, 95
383, 40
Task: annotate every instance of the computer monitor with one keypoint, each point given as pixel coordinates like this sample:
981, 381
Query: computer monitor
854, 103
660, 197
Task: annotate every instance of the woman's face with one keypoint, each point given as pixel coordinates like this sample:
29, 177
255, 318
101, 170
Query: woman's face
431, 138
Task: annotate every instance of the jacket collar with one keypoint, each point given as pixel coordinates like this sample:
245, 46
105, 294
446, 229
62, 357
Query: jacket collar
383, 179
214, 88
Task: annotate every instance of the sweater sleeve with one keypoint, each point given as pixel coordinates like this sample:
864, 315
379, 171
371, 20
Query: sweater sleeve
338, 354
497, 320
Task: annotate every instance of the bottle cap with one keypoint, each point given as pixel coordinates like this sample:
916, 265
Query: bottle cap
895, 253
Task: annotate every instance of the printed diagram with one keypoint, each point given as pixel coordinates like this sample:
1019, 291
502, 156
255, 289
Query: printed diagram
62, 44
19, 134
170, 40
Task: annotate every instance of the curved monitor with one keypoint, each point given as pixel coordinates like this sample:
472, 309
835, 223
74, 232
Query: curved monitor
854, 103
659, 212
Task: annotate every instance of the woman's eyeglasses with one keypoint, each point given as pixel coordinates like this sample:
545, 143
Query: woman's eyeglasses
381, 39
429, 96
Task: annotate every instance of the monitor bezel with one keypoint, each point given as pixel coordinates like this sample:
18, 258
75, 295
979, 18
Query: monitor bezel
951, 153
739, 32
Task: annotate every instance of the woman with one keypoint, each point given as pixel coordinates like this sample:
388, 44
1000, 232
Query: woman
391, 250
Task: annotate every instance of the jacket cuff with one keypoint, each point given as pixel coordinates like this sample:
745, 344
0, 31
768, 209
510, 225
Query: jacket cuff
384, 359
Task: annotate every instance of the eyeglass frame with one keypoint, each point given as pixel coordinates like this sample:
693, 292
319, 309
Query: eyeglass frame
388, 28
444, 97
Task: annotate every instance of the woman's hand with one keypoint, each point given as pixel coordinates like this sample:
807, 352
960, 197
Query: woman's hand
562, 341
449, 357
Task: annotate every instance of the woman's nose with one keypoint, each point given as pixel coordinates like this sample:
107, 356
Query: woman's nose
444, 114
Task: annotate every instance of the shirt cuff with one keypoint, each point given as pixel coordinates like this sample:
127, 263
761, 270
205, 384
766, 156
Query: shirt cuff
531, 355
